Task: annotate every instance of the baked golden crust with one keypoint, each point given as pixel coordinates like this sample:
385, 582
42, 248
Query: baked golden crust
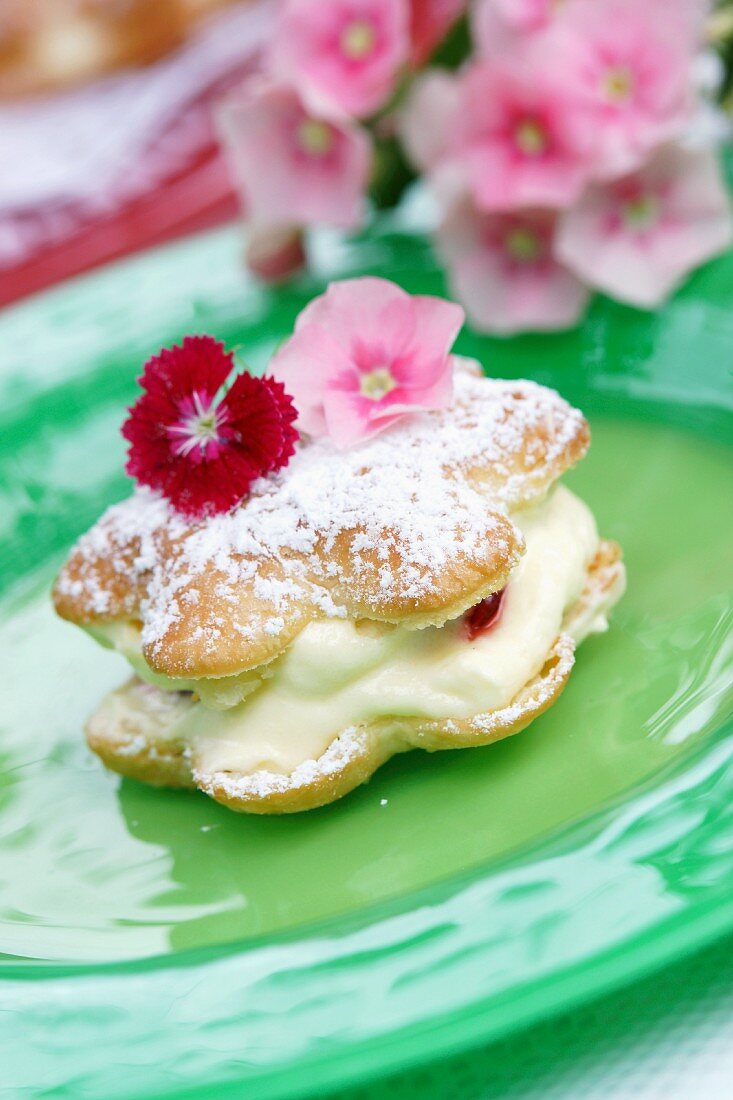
138, 746
128, 733
603, 588
355, 756
413, 528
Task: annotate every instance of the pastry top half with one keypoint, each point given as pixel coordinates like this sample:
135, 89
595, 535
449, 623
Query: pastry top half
412, 527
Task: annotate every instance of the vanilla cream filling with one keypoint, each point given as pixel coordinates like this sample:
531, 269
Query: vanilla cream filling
339, 674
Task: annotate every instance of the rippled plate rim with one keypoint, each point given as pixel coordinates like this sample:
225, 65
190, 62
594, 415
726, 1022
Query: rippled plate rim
478, 1020
33, 993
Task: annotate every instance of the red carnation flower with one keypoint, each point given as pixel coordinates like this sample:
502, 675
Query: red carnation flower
199, 447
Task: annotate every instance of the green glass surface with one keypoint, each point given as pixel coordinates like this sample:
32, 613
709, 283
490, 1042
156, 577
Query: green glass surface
144, 871
458, 894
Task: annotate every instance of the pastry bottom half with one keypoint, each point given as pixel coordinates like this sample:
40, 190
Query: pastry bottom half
133, 731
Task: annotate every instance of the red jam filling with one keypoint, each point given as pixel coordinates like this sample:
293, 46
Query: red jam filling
483, 616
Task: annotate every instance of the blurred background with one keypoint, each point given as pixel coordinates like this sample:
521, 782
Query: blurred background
107, 135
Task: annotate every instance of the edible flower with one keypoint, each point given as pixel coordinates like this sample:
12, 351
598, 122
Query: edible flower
197, 442
366, 354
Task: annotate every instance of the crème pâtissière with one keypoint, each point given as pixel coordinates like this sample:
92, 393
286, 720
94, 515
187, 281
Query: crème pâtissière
283, 651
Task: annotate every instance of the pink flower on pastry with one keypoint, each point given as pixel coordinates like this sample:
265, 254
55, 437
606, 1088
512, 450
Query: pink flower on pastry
637, 237
343, 56
502, 268
366, 354
294, 168
630, 65
519, 139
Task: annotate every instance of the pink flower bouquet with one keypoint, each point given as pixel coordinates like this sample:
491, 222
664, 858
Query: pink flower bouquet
562, 141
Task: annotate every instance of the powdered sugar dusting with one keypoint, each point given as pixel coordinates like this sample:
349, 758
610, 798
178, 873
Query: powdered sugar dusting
351, 744
388, 517
541, 692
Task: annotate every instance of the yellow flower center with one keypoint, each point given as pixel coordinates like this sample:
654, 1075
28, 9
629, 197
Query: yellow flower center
522, 244
375, 384
641, 212
315, 137
198, 428
530, 137
618, 84
358, 39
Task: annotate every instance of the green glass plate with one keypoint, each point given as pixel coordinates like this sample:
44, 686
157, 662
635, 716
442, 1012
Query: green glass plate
456, 896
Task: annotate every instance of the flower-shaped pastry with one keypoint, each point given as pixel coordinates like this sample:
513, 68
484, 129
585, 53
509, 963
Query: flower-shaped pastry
424, 586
